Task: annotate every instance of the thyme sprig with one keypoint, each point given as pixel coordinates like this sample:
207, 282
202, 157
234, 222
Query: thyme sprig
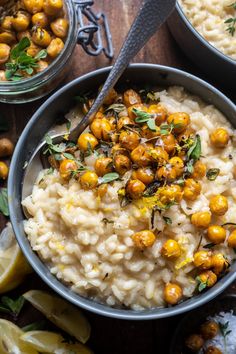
231, 22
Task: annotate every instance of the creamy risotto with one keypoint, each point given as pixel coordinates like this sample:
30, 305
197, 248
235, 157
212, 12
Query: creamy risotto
138, 214
209, 18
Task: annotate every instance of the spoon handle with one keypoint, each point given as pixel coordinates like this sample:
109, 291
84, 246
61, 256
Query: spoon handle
150, 17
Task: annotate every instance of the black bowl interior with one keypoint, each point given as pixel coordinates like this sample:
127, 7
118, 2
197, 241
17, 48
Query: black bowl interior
43, 119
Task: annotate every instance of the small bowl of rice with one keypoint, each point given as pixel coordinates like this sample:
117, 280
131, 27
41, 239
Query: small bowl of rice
205, 31
210, 329
139, 223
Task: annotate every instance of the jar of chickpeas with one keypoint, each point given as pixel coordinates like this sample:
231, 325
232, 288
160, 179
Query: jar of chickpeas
37, 38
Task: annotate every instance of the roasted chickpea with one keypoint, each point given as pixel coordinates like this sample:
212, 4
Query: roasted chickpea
103, 165
135, 188
144, 174
178, 164
40, 19
21, 21
172, 293
180, 118
169, 143
219, 263
201, 219
144, 239
199, 170
52, 7
6, 147
186, 134
117, 149
147, 133
213, 350
171, 249
89, 180
110, 98
159, 111
60, 27
23, 34
55, 47
232, 239
129, 140
139, 106
87, 141
33, 49
209, 329
208, 277
6, 23
166, 173
219, 137
7, 37
218, 204
158, 155
33, 6
131, 97
112, 121
122, 164
216, 234
170, 193
192, 189
202, 259
66, 168
4, 53
2, 75
102, 190
123, 121
42, 65
101, 128
41, 37
3, 170
194, 342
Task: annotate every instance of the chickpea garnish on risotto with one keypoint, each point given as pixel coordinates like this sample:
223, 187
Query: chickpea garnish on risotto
140, 212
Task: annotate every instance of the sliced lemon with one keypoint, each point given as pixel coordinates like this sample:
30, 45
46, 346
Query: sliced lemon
13, 265
52, 343
61, 313
10, 341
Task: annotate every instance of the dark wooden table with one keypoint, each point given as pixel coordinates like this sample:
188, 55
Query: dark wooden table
110, 336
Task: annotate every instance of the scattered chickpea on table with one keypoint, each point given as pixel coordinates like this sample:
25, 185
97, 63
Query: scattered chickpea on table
6, 150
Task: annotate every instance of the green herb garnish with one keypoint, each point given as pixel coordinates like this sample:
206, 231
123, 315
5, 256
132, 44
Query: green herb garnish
35, 326
53, 148
151, 189
212, 174
224, 330
167, 220
20, 61
144, 117
193, 154
209, 245
116, 107
4, 209
201, 284
109, 177
168, 128
231, 22
12, 306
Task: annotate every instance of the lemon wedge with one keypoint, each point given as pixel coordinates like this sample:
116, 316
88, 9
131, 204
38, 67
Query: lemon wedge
60, 312
52, 343
10, 341
13, 265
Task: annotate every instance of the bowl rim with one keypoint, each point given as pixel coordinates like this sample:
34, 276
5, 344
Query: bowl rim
42, 270
207, 44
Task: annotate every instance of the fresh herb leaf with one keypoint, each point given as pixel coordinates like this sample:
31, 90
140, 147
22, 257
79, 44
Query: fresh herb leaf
224, 328
68, 125
151, 124
35, 326
41, 55
167, 220
231, 22
151, 189
189, 167
20, 47
195, 150
4, 209
4, 309
53, 148
15, 306
201, 285
116, 107
109, 177
209, 245
141, 116
212, 174
168, 128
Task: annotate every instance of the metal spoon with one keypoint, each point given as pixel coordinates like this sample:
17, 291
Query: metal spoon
151, 16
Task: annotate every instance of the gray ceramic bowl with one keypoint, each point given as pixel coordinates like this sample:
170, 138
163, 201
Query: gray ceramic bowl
218, 66
40, 123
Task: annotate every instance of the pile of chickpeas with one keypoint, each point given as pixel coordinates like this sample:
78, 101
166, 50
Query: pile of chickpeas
6, 150
195, 342
43, 22
151, 156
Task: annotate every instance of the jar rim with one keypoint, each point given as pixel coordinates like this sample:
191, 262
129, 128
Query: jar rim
52, 70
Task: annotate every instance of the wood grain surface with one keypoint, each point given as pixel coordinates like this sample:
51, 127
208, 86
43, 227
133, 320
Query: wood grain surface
110, 336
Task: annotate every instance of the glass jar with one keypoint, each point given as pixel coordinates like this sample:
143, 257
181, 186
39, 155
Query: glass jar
41, 84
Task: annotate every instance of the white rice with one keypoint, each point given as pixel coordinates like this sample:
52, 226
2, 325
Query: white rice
99, 260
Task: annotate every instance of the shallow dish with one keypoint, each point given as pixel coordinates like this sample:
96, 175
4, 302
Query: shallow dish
43, 119
218, 66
